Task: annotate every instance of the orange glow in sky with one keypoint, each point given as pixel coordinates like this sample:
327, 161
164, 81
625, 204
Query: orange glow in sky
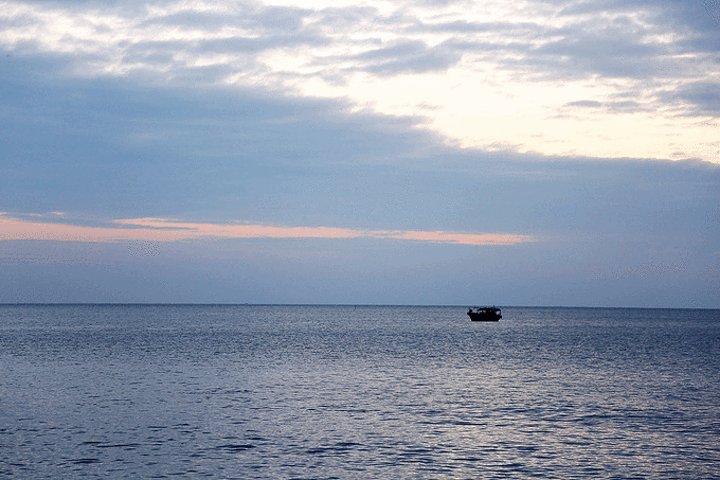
166, 230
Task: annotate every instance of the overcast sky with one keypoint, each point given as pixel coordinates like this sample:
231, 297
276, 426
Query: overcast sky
386, 152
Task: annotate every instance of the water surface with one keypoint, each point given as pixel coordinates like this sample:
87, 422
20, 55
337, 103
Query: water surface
162, 391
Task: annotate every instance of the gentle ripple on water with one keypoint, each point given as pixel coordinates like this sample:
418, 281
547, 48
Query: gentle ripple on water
367, 392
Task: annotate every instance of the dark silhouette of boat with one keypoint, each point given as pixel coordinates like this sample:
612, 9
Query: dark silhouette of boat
484, 314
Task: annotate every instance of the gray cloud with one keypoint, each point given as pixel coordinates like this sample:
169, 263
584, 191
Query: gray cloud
465, 27
609, 40
585, 103
263, 19
612, 106
119, 151
701, 98
411, 56
611, 45
208, 20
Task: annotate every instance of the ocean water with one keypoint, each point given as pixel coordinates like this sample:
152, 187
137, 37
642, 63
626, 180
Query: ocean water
320, 392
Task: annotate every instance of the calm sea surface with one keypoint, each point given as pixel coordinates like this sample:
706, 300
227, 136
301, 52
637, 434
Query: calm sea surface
315, 392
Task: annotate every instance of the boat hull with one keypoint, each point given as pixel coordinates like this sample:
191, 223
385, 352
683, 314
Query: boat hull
484, 314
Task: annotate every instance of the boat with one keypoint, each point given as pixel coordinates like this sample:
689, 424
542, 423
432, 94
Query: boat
484, 314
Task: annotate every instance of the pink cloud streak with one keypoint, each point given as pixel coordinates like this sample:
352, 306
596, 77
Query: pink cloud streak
166, 230
460, 238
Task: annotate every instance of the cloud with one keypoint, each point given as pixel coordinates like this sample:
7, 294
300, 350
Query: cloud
495, 71
608, 38
167, 230
585, 104
456, 238
696, 99
629, 106
408, 56
104, 149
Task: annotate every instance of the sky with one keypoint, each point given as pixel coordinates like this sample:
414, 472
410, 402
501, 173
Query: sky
429, 152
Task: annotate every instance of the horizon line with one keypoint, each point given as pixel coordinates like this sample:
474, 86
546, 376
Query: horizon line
399, 305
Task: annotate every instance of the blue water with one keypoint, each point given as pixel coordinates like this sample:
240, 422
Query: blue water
132, 391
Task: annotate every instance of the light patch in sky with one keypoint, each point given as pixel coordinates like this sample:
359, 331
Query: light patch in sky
539, 117
166, 230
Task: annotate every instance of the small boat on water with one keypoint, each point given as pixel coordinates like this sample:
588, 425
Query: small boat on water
484, 314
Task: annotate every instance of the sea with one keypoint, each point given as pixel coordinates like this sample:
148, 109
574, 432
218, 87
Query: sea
345, 392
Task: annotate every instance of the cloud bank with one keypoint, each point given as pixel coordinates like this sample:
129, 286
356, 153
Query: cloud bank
485, 75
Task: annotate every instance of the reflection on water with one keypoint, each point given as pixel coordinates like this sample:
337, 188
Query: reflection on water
366, 392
